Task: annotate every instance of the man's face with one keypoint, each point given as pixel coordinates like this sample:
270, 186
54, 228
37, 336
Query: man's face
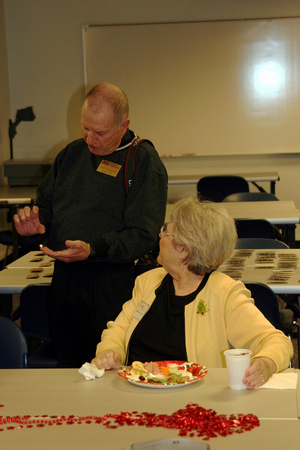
100, 131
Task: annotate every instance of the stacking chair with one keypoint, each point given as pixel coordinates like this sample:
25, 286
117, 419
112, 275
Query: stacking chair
34, 300
266, 301
250, 197
9, 238
256, 197
259, 243
217, 187
13, 345
255, 228
282, 318
6, 239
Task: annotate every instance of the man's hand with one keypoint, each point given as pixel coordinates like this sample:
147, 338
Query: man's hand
27, 222
107, 360
76, 251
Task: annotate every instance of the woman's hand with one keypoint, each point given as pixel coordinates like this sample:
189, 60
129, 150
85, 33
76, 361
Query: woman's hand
259, 372
107, 360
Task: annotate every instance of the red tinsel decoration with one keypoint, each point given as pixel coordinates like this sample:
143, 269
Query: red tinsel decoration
191, 421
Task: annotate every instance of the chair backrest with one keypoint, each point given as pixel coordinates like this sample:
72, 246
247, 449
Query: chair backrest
13, 345
217, 187
34, 311
251, 197
259, 243
266, 301
254, 228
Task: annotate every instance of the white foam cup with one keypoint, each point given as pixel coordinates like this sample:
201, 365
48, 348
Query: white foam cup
237, 362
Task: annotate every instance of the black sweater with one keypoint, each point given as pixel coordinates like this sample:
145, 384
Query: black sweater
78, 202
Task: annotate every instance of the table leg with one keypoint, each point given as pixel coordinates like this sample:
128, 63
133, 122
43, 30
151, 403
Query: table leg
13, 211
6, 305
289, 234
272, 187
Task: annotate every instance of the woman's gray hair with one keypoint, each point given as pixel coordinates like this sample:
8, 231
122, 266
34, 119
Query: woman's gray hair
207, 230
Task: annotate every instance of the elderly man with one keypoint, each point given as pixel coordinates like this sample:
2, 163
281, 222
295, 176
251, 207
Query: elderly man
97, 211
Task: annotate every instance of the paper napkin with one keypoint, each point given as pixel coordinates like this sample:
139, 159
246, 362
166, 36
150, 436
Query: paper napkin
90, 372
281, 381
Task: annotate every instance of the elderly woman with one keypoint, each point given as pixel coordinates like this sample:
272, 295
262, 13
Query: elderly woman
187, 310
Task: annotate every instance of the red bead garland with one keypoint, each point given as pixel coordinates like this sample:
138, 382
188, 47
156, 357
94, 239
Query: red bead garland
192, 421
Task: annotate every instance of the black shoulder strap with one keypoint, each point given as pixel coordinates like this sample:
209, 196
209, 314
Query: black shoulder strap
130, 161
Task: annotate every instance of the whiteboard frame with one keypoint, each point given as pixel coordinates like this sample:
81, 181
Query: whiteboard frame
292, 148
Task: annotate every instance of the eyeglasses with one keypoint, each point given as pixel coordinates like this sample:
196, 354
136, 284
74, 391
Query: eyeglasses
164, 232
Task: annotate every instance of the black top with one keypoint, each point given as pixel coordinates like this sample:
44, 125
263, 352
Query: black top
160, 334
79, 200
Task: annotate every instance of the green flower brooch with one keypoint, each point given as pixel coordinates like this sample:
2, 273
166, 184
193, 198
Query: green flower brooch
202, 307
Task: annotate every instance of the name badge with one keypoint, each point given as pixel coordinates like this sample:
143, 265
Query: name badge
141, 310
109, 168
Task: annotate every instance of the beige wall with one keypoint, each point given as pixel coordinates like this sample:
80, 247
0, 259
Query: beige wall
45, 62
4, 93
45, 56
4, 112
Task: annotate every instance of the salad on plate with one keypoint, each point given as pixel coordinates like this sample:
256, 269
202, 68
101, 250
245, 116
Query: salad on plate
163, 373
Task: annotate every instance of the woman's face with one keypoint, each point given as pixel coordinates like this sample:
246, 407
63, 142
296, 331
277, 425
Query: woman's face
168, 250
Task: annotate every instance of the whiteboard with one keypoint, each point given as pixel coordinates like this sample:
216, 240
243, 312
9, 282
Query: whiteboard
204, 88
